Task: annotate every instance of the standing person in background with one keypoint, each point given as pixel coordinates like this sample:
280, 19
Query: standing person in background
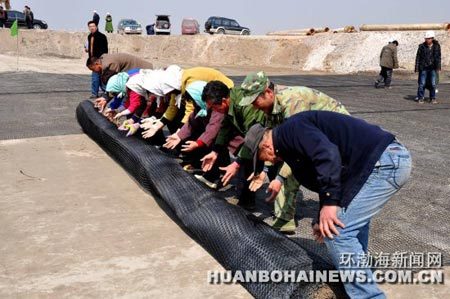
29, 17
109, 25
388, 62
97, 46
428, 64
3, 16
96, 18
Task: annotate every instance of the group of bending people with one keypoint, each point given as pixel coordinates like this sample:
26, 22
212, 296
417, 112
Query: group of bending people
207, 118
261, 132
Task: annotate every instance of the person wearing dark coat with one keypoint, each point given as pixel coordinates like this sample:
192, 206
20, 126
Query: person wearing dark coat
388, 62
29, 17
428, 64
96, 18
3, 16
355, 167
97, 45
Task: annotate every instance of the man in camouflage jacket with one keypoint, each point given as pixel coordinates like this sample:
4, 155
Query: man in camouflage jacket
279, 103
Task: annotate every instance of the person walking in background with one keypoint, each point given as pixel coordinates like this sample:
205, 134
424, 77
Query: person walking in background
97, 46
388, 62
3, 17
29, 17
428, 64
109, 25
96, 18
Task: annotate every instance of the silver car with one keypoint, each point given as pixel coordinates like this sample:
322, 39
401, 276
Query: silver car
129, 26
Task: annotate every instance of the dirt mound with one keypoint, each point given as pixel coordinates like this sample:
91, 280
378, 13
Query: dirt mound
336, 53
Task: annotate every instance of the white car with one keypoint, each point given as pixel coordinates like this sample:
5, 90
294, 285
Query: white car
162, 24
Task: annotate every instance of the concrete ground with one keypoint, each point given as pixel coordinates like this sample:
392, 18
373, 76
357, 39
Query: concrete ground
67, 231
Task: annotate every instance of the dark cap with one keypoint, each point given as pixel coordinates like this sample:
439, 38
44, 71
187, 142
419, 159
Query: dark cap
252, 140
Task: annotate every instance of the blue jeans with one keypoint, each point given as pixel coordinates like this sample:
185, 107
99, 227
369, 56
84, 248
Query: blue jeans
427, 76
388, 176
96, 84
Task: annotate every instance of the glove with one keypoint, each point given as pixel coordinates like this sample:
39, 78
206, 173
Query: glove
147, 123
125, 125
150, 132
151, 119
132, 129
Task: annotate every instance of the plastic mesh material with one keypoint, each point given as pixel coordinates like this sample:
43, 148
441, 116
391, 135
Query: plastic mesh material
235, 238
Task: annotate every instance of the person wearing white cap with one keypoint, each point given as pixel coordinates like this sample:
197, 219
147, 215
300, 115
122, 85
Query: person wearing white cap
428, 64
180, 108
388, 62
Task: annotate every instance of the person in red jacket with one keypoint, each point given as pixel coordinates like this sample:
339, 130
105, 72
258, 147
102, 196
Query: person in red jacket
135, 101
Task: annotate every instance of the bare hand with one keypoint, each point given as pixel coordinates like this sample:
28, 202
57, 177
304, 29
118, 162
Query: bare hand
150, 132
256, 181
172, 141
274, 188
208, 161
230, 171
189, 146
328, 219
316, 233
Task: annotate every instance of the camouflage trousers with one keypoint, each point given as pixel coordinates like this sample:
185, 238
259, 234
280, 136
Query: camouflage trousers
286, 200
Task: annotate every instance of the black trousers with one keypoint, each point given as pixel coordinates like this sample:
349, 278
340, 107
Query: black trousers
245, 196
385, 76
29, 23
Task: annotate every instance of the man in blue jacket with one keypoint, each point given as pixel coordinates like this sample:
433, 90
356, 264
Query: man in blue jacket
354, 166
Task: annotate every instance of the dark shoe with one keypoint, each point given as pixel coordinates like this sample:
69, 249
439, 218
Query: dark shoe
224, 188
93, 97
419, 100
247, 204
376, 84
284, 226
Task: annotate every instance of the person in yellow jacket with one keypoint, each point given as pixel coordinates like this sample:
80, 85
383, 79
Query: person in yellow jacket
180, 108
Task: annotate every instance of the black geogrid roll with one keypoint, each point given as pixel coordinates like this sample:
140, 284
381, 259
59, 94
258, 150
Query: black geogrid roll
234, 237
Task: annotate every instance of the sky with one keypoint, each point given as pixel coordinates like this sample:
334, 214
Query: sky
260, 16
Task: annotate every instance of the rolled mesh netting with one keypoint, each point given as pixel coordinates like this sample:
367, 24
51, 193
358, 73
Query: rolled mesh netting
235, 238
